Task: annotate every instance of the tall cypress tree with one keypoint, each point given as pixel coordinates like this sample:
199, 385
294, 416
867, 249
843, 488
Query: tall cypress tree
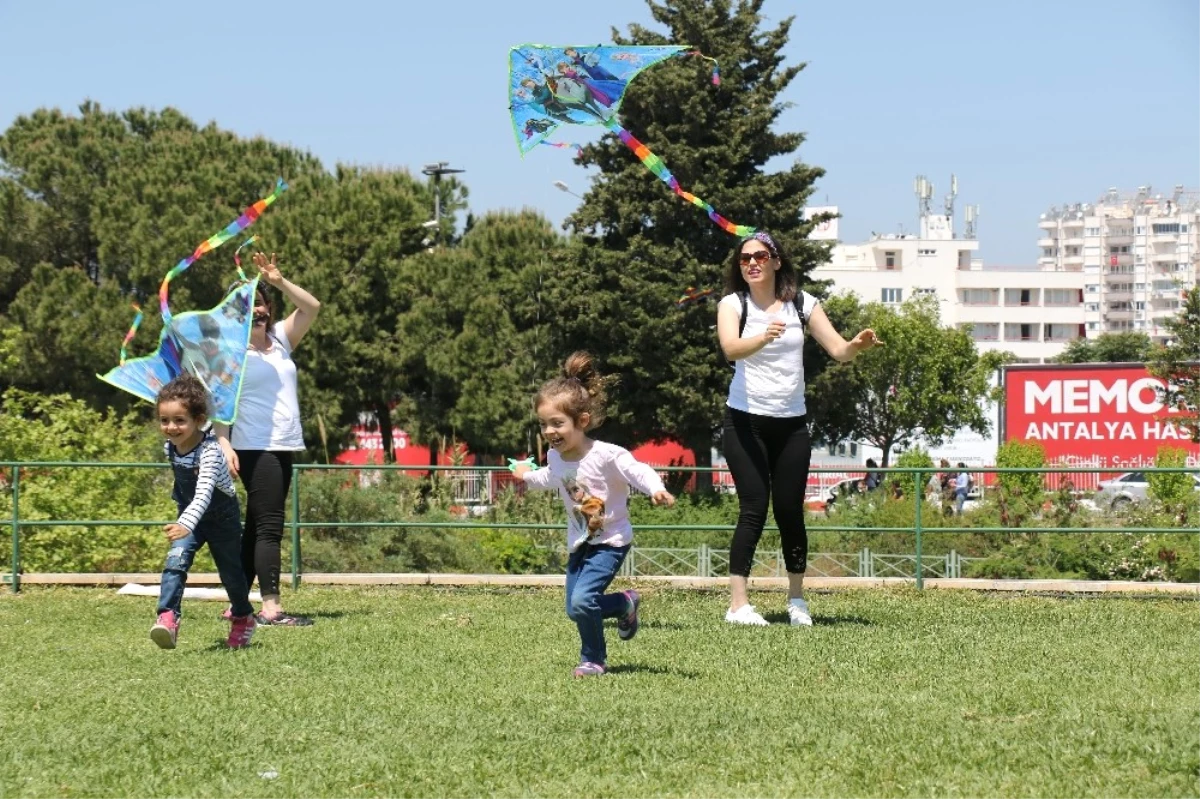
644, 246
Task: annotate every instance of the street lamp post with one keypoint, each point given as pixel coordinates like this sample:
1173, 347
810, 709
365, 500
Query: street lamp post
561, 186
436, 171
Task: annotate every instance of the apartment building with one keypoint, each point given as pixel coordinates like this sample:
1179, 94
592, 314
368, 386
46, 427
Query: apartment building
1136, 251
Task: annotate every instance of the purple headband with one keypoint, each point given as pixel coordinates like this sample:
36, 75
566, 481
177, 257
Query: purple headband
766, 239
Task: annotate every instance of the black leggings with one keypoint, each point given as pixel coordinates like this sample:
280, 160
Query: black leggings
768, 457
267, 477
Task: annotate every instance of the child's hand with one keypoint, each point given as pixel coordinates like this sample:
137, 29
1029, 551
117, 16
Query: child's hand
521, 468
663, 498
175, 531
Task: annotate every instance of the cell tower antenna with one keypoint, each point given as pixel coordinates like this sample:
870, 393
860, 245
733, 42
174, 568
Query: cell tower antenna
924, 191
971, 217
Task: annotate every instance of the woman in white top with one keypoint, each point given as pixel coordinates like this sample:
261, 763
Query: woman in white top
267, 433
766, 438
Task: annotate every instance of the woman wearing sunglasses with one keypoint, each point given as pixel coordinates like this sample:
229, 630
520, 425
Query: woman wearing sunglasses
765, 430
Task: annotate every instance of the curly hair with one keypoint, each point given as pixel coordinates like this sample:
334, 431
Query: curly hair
188, 391
580, 389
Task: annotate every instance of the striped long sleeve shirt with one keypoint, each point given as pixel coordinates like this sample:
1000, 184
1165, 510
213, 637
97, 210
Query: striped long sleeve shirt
207, 463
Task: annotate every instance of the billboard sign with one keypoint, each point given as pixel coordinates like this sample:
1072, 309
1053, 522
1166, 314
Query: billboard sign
1105, 415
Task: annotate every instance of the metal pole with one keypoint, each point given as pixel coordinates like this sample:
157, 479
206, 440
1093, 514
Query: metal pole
917, 525
295, 527
16, 530
437, 204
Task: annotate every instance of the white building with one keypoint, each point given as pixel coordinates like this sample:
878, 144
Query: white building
1113, 266
1031, 311
1136, 251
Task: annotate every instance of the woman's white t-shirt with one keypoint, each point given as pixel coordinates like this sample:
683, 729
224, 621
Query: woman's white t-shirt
771, 381
268, 410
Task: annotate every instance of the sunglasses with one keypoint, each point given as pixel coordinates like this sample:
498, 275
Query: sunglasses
759, 256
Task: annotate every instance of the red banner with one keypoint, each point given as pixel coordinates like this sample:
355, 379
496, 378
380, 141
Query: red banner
1105, 415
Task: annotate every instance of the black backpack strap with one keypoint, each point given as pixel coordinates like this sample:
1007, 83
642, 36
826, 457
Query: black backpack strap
798, 301
742, 318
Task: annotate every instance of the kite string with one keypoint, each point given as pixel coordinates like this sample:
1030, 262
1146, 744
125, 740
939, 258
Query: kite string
235, 227
656, 165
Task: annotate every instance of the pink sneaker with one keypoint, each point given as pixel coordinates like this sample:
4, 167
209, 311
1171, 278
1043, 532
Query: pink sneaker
589, 669
166, 630
240, 630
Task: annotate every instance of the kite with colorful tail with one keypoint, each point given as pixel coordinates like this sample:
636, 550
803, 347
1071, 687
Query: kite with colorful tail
208, 344
554, 86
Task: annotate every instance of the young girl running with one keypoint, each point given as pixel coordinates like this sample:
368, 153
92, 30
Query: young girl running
208, 513
593, 478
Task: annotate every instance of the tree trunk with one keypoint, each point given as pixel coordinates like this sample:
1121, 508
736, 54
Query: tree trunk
700, 443
383, 414
887, 454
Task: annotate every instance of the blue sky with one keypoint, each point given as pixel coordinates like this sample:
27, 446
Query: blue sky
1029, 104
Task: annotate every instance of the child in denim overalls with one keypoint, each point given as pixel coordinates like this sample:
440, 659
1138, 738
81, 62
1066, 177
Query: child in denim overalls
208, 513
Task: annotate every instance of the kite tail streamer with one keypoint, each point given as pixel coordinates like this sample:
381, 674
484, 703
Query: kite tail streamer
716, 74
564, 146
237, 259
655, 165
216, 240
137, 321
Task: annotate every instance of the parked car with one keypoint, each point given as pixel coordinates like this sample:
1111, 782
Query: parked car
1127, 489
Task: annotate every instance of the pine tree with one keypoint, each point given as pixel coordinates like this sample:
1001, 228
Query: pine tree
643, 246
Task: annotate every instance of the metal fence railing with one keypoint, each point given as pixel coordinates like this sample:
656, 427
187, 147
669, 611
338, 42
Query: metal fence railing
467, 478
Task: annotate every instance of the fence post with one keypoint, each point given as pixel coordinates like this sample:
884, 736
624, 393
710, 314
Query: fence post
917, 524
955, 566
702, 562
295, 527
16, 530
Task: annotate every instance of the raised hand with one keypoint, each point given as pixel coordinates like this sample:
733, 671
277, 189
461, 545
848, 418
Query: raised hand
269, 270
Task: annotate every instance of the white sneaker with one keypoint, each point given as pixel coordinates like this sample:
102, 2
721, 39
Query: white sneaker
745, 615
798, 613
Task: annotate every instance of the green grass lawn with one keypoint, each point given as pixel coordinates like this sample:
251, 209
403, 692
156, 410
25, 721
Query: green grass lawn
453, 692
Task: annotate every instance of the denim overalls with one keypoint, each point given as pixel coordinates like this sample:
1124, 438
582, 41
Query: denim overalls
221, 528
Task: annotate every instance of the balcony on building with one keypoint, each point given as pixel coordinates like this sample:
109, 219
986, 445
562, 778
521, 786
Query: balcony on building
1062, 298
984, 298
1122, 315
1022, 298
1014, 331
983, 331
1062, 333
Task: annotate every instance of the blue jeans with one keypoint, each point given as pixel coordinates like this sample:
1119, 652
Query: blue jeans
590, 570
221, 529
960, 497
